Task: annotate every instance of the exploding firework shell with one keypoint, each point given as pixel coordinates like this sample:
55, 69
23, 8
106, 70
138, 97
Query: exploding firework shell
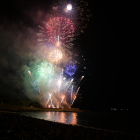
56, 26
55, 55
70, 70
46, 70
60, 28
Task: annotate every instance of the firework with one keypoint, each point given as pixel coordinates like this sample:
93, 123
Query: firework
50, 99
55, 39
50, 53
60, 80
56, 30
46, 70
80, 80
55, 55
75, 96
70, 70
31, 76
71, 92
51, 85
58, 43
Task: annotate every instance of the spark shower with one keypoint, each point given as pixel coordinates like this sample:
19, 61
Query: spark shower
53, 79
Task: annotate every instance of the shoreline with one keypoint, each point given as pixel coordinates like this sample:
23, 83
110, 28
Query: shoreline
26, 109
32, 128
92, 127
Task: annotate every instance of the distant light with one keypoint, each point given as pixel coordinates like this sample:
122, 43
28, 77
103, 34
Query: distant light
69, 6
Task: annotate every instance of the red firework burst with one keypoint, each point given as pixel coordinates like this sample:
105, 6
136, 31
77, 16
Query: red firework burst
57, 29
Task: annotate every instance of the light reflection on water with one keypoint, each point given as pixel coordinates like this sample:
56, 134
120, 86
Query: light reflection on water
109, 121
62, 117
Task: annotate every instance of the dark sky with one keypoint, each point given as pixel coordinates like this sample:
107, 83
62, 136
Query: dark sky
109, 44
113, 40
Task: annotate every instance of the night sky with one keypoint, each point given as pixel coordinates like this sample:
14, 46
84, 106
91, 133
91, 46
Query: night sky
109, 45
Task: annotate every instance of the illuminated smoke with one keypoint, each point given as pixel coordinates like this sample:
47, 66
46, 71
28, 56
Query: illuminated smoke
55, 37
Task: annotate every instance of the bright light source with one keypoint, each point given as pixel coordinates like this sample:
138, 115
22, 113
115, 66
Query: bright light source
57, 44
69, 6
59, 82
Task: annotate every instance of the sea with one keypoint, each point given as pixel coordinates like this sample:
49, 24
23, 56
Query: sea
110, 121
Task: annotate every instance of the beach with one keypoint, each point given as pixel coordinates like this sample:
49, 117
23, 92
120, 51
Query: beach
15, 126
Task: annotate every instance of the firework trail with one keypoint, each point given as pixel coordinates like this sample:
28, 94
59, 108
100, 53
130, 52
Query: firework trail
75, 96
80, 81
69, 84
53, 71
50, 94
62, 99
67, 89
60, 80
31, 77
71, 93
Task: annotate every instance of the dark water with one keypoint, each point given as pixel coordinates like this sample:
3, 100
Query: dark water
109, 121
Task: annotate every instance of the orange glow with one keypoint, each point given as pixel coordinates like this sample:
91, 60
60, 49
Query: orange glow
63, 117
58, 43
62, 96
74, 115
56, 55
